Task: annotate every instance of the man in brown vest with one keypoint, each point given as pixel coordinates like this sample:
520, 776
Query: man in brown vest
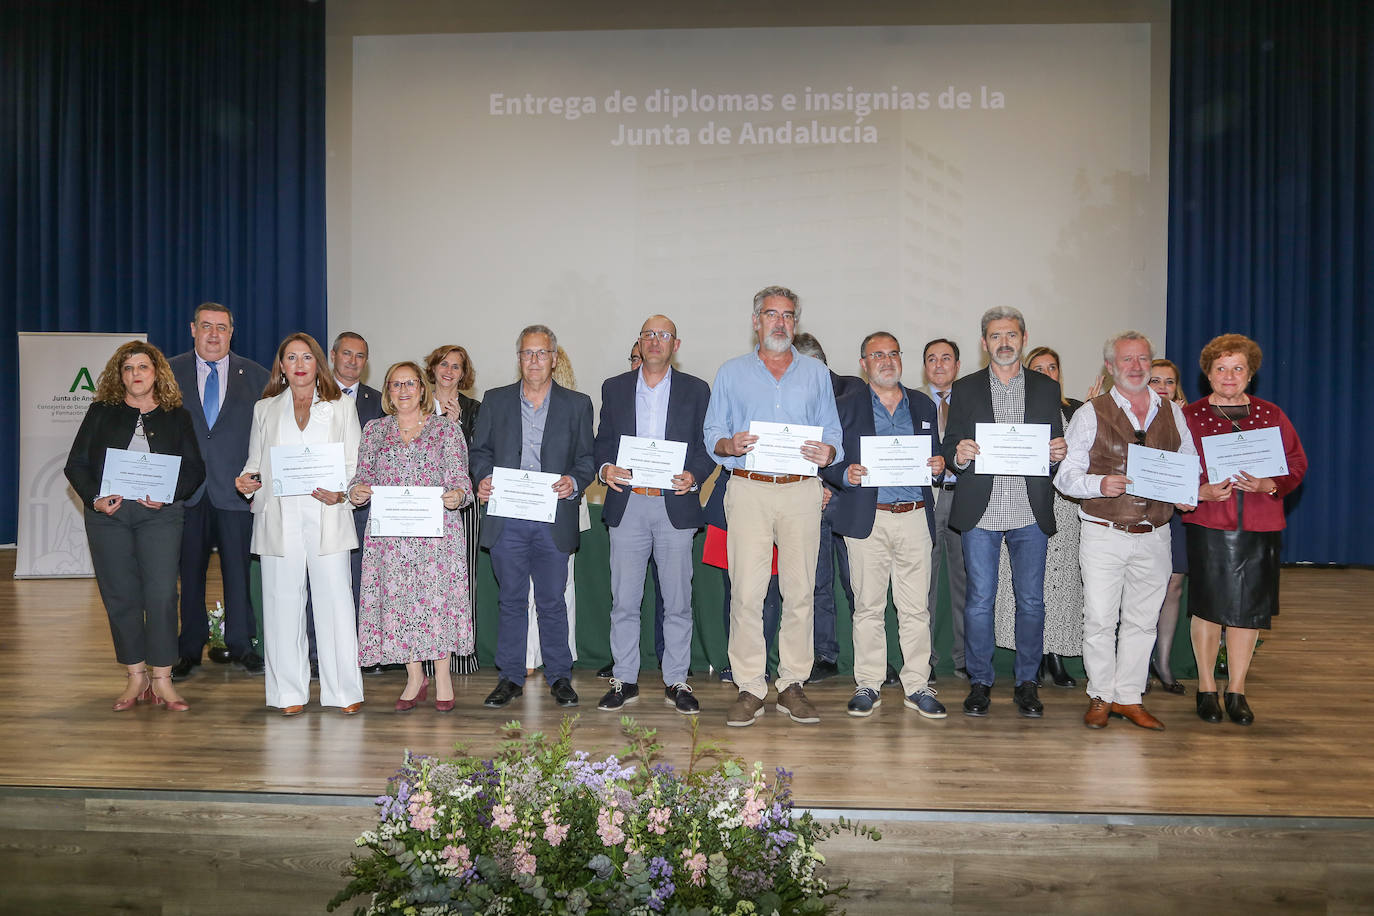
1124, 546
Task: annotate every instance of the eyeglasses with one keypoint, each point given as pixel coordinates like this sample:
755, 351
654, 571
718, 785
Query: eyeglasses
635, 361
880, 356
647, 336
774, 315
537, 356
402, 384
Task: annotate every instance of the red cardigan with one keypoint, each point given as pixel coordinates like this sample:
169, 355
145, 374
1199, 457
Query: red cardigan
1262, 511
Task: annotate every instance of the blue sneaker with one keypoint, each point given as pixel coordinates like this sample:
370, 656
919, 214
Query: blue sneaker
924, 702
864, 701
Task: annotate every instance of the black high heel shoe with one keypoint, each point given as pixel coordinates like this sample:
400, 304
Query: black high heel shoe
1169, 686
1054, 665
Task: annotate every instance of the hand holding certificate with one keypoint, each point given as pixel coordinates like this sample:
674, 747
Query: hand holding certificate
140, 475
300, 470
778, 449
523, 494
1169, 477
406, 512
895, 461
1020, 449
1258, 452
654, 462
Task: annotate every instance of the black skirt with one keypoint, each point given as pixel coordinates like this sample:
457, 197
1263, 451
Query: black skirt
1233, 576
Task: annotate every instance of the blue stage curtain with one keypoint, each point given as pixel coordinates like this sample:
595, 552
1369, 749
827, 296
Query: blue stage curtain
155, 155
1271, 231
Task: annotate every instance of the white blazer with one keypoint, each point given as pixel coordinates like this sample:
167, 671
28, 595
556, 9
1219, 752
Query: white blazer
337, 532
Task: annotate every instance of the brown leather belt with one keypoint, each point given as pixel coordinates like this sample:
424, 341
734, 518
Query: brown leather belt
647, 491
1129, 529
899, 508
769, 478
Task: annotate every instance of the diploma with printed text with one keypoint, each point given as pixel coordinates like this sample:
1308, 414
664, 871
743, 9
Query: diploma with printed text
895, 461
516, 493
1166, 476
140, 475
406, 512
1257, 452
1021, 449
778, 450
299, 470
655, 462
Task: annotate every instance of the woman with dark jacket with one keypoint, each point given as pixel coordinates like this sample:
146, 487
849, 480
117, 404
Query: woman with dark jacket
136, 543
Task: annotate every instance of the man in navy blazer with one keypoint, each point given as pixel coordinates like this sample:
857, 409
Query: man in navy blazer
990, 508
533, 425
657, 403
887, 530
349, 359
219, 389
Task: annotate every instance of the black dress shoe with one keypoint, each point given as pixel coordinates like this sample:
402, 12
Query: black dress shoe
505, 692
822, 670
251, 662
1238, 709
372, 670
1054, 665
1028, 700
977, 702
894, 679
562, 692
220, 655
607, 671
1208, 709
183, 668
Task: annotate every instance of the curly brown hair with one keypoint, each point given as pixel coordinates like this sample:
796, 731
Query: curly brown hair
437, 354
1227, 344
110, 388
324, 379
426, 389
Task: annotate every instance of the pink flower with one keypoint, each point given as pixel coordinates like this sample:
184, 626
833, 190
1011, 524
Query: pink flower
608, 823
524, 861
422, 819
503, 816
695, 863
658, 820
460, 857
752, 815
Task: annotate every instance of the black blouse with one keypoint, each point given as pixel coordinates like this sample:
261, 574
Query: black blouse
112, 426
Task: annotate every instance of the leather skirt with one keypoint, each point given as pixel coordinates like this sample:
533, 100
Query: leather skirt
1233, 576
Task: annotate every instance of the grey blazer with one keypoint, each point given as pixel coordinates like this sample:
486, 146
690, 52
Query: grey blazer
225, 447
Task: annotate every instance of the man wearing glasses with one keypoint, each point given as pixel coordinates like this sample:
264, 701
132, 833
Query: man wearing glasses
533, 425
764, 507
657, 403
1124, 548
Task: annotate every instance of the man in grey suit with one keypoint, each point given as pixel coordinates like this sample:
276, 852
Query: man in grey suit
940, 359
533, 425
219, 389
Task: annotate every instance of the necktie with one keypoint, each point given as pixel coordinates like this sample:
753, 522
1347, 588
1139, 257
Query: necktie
944, 411
349, 392
211, 402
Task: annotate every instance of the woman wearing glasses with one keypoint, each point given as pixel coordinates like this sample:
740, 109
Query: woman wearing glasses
415, 605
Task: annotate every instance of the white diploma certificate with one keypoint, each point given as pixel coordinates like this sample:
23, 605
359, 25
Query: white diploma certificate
655, 462
895, 461
299, 470
523, 494
140, 475
778, 450
1257, 452
1021, 449
406, 512
1166, 476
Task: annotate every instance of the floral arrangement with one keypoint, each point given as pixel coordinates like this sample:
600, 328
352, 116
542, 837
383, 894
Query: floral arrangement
541, 828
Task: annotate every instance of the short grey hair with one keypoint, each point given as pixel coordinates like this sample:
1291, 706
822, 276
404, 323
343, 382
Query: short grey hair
808, 345
538, 329
1002, 313
341, 335
1109, 348
782, 291
863, 345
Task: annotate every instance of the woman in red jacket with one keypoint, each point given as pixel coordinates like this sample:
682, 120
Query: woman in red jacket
1234, 536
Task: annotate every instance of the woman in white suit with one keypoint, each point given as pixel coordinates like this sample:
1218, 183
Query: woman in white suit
307, 536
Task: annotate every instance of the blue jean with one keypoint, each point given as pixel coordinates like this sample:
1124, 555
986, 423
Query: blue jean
1026, 547
525, 551
824, 612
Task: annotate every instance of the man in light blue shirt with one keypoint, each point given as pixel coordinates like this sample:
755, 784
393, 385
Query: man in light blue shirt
777, 384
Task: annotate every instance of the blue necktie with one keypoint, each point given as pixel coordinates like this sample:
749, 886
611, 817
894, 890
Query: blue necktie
211, 402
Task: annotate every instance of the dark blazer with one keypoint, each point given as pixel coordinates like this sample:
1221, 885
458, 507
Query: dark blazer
686, 417
842, 384
112, 426
566, 449
369, 404
970, 403
225, 448
852, 509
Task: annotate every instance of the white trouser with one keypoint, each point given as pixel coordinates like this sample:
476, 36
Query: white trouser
897, 551
1124, 580
283, 614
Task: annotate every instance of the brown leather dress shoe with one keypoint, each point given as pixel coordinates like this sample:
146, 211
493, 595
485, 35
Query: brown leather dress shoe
352, 709
1136, 714
292, 710
1096, 716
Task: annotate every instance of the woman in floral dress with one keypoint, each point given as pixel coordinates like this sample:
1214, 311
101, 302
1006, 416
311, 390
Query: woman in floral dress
415, 603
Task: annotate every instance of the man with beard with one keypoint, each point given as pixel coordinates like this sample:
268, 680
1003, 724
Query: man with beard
991, 508
1124, 548
776, 384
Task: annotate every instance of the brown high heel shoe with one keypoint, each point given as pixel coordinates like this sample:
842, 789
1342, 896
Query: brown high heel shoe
144, 696
171, 705
403, 705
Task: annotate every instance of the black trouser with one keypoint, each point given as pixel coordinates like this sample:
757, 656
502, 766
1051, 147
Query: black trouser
135, 554
232, 532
